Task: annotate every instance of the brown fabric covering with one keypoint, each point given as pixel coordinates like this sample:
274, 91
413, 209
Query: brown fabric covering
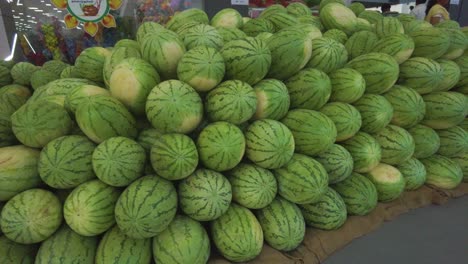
319, 244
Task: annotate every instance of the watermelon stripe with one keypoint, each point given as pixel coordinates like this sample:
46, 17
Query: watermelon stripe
358, 193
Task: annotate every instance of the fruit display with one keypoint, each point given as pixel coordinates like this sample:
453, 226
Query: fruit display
214, 137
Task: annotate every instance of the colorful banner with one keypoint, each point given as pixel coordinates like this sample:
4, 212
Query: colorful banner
88, 12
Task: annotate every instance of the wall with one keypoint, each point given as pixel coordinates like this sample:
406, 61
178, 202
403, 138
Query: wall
7, 29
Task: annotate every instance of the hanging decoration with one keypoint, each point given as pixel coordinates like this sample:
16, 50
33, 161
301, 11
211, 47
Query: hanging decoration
89, 12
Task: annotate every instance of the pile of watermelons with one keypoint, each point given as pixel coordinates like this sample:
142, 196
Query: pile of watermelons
228, 132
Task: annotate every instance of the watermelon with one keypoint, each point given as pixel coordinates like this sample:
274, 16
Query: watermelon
257, 26
357, 8
10, 103
462, 62
453, 141
221, 146
252, 186
130, 250
327, 55
131, 81
348, 85
90, 63
103, 117
415, 25
338, 16
12, 252
338, 163
7, 137
365, 150
15, 89
247, 59
451, 75
444, 109
380, 71
54, 66
67, 247
5, 77
302, 180
228, 18
298, 9
313, 131
363, 25
328, 213
164, 51
413, 172
174, 106
32, 126
202, 35
376, 112
205, 195
202, 68
290, 50
21, 73
371, 15
309, 89
282, 20
430, 42
458, 44
442, 172
422, 74
358, 193
361, 43
184, 241
42, 77
462, 160
146, 28
398, 45
117, 56
272, 9
448, 24
81, 94
346, 118
18, 170
31, 216
388, 181
65, 162
229, 34
56, 91
311, 20
130, 43
396, 143
336, 35
311, 31
135, 211
188, 15
408, 106
237, 234
273, 99
148, 138
69, 72
282, 224
426, 141
118, 161
388, 26
174, 156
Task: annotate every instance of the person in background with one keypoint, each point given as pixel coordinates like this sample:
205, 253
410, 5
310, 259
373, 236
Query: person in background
385, 8
420, 10
411, 8
436, 11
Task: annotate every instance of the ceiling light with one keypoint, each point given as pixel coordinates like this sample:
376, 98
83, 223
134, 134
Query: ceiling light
32, 8
38, 10
48, 4
18, 3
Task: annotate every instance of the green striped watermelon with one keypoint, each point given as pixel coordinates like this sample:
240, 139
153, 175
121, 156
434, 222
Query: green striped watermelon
247, 59
184, 241
376, 112
203, 35
458, 44
396, 143
442, 172
36, 124
221, 146
115, 247
336, 35
422, 74
11, 102
408, 106
309, 89
69, 72
89, 209
237, 234
338, 16
302, 180
174, 106
327, 55
430, 42
16, 89
174, 156
464, 124
371, 15
118, 161
282, 20
282, 224
21, 73
146, 207
311, 31
147, 28
81, 94
388, 181
67, 247
298, 9
118, 55
358, 193
348, 85
148, 138
338, 163
346, 118
273, 99
66, 162
42, 77
5, 77
130, 43
363, 25
18, 170
323, 3
413, 172
427, 141
229, 34
202, 68
252, 186
415, 25
12, 252
311, 20
103, 117
398, 45
462, 160
361, 43
357, 8
205, 195
272, 9
7, 137
380, 71
56, 91
365, 150
451, 75
31, 216
55, 66
453, 141
444, 109
232, 101
90, 63
328, 213
462, 62
228, 18
269, 144
313, 131
388, 26
257, 26
188, 15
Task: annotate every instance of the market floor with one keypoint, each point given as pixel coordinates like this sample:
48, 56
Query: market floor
430, 235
